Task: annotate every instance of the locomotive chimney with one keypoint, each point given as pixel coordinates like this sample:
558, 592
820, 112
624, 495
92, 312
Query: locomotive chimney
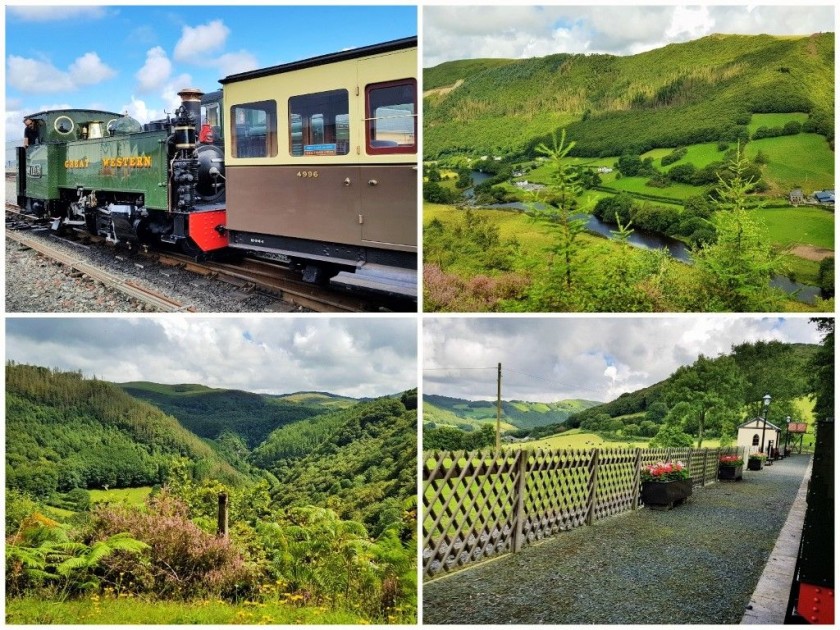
186, 130
191, 100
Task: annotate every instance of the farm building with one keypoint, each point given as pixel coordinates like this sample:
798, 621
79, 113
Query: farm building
755, 433
824, 196
796, 196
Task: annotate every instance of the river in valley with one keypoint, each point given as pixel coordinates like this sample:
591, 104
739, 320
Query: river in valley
650, 240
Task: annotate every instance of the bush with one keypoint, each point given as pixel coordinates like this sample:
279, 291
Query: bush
183, 561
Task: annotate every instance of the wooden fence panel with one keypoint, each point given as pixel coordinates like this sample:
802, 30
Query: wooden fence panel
617, 486
555, 492
469, 500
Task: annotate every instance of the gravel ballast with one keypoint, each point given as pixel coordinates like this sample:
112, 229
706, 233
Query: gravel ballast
697, 563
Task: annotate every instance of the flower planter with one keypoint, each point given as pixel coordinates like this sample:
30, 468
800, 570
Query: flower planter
755, 464
732, 473
664, 495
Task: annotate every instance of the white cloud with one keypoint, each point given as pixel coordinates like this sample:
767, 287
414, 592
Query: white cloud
90, 70
155, 72
358, 357
233, 63
199, 41
468, 32
690, 23
53, 13
34, 76
598, 358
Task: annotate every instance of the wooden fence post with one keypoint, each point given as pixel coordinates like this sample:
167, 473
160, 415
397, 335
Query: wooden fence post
519, 509
637, 478
593, 487
222, 521
705, 463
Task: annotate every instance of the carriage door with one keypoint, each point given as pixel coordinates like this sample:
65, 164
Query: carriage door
389, 174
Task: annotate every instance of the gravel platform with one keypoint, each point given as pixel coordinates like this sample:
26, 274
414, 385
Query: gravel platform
696, 564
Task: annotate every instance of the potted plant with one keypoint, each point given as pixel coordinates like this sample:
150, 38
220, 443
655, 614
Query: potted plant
731, 467
756, 461
665, 485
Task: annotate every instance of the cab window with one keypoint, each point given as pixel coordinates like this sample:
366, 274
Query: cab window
390, 113
254, 129
211, 116
319, 124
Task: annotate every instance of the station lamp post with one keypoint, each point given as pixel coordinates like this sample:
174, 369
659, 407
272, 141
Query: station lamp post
787, 436
766, 399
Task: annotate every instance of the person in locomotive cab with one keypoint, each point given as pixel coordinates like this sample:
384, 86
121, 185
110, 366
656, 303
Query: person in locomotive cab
205, 136
30, 132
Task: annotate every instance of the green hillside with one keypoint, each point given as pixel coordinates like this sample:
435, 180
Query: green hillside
516, 414
210, 413
699, 91
359, 461
64, 432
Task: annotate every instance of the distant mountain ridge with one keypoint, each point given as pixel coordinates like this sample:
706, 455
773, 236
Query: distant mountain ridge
698, 91
516, 414
209, 412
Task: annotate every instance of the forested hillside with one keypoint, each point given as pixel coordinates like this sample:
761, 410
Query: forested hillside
64, 432
699, 91
359, 462
210, 413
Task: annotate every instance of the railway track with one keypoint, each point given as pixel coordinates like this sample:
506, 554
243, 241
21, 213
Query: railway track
247, 275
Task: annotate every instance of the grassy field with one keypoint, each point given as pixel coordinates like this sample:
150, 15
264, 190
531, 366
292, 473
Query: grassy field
129, 496
774, 120
804, 160
814, 226
118, 611
637, 185
577, 439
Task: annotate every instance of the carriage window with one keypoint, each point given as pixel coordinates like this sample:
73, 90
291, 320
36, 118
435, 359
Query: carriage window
319, 124
391, 119
254, 128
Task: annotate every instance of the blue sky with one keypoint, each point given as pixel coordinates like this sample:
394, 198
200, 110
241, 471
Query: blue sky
136, 58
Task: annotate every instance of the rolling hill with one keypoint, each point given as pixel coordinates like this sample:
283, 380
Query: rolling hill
210, 413
516, 414
700, 91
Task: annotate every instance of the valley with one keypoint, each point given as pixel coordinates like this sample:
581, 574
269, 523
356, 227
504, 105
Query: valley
666, 150
113, 504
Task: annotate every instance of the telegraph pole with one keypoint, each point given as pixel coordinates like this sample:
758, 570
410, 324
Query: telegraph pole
499, 411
